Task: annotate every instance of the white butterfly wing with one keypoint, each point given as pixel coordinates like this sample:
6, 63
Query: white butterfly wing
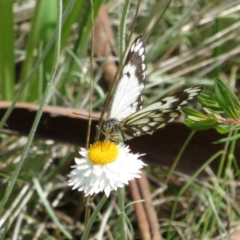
126, 118
127, 97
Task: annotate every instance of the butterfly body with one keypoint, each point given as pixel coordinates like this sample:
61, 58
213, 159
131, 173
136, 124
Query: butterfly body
126, 118
110, 128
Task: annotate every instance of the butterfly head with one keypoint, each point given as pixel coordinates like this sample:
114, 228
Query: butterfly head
110, 129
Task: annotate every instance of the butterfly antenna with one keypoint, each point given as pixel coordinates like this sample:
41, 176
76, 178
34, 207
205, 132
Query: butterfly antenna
85, 115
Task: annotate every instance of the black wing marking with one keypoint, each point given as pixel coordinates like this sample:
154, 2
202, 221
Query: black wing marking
157, 115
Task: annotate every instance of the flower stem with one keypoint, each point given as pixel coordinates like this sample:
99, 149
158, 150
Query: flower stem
93, 218
122, 222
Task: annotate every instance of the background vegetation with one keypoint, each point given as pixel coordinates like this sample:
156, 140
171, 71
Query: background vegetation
44, 59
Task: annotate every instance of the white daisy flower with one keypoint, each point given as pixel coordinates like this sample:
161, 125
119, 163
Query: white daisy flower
105, 166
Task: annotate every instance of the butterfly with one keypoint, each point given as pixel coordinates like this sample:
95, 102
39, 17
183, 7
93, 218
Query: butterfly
126, 117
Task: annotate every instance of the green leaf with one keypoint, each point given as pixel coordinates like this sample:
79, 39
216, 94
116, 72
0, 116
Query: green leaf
200, 125
235, 127
228, 139
208, 102
227, 100
223, 129
191, 113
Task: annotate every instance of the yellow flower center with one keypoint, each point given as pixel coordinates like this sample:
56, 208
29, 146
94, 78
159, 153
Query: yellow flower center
103, 152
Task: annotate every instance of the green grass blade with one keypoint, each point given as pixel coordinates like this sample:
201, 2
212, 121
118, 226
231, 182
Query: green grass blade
72, 18
49, 208
7, 71
42, 29
122, 29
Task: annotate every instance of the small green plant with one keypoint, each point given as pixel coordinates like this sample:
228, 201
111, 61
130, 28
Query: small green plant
222, 113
